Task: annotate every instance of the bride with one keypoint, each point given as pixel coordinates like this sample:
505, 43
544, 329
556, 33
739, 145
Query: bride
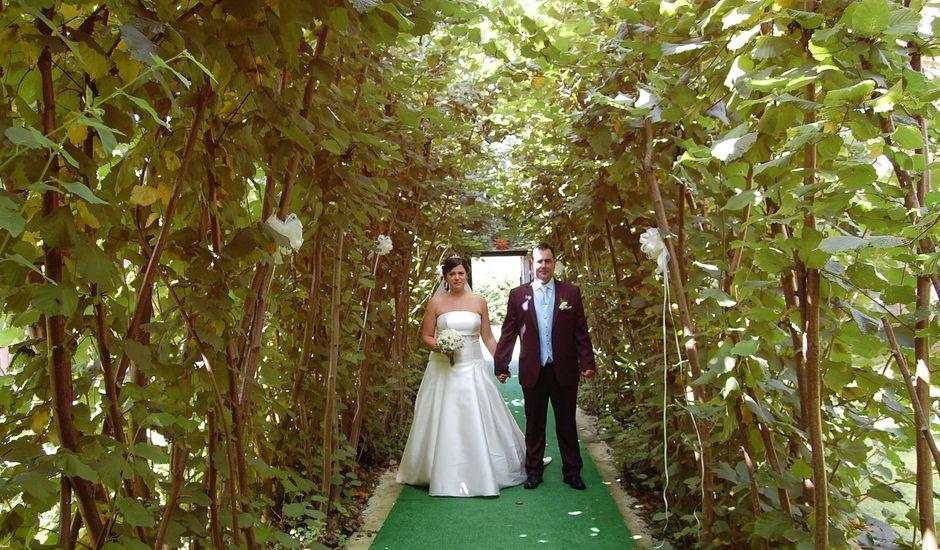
464, 441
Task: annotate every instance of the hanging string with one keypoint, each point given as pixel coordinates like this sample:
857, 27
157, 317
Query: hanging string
665, 396
652, 245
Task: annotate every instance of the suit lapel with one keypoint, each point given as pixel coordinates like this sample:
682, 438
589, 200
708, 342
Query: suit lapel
557, 303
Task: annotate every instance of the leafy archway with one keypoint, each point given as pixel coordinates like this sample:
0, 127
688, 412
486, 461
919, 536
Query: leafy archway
185, 366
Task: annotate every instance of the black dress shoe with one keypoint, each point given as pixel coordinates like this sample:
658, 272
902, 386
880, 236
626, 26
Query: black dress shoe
532, 481
575, 481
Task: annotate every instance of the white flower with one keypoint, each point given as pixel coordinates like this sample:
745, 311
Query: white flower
564, 305
449, 341
363, 6
290, 228
383, 245
651, 243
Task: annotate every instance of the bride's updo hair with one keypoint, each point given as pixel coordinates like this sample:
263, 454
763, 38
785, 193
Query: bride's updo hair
452, 262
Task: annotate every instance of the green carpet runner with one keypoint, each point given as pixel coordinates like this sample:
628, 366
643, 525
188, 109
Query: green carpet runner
550, 516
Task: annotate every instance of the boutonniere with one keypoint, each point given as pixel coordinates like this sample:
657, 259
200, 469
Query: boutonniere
564, 305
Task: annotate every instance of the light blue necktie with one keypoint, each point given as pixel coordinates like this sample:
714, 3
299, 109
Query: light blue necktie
545, 334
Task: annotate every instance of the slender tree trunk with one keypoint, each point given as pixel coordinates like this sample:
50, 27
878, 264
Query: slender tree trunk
60, 362
145, 291
178, 458
811, 358
925, 498
329, 414
748, 453
212, 476
613, 253
691, 350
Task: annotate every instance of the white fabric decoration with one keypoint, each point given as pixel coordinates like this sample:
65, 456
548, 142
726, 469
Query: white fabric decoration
651, 243
290, 228
383, 245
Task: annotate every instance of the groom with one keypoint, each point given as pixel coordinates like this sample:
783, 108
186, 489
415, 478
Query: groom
548, 316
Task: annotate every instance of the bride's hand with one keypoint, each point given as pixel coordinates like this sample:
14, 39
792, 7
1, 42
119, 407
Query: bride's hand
502, 378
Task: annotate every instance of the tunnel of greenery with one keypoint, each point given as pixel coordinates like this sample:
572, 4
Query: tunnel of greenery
219, 222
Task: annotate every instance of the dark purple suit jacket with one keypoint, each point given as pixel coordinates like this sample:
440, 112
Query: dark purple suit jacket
571, 343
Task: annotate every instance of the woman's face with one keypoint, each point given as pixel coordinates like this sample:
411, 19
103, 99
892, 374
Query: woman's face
456, 278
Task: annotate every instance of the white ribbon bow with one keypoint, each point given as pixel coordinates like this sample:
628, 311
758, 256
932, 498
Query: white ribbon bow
290, 228
651, 243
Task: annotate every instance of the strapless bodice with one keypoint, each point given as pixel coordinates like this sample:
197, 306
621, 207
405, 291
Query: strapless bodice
467, 323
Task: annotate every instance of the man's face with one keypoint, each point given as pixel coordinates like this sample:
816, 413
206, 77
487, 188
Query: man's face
543, 264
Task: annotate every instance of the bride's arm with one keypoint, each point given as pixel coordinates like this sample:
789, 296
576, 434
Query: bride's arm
486, 331
429, 324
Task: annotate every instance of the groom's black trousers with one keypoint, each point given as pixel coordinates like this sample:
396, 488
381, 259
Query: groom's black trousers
564, 401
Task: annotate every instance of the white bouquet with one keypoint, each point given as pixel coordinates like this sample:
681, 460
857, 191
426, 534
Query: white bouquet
449, 341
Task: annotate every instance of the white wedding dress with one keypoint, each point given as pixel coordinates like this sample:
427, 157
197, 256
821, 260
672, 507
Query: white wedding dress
463, 442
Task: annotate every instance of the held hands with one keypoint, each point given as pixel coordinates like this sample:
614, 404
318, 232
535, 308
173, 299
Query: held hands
588, 373
503, 377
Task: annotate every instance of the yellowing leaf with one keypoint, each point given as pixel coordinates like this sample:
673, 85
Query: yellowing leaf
163, 191
128, 68
170, 161
86, 216
538, 82
39, 420
152, 218
77, 134
95, 64
142, 195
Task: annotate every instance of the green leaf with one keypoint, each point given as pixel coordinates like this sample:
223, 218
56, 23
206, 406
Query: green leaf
94, 265
902, 21
139, 353
771, 524
126, 543
842, 243
296, 509
286, 540
801, 470
759, 410
857, 175
718, 295
886, 103
58, 229
157, 455
37, 485
908, 137
30, 138
885, 493
72, 466
141, 48
54, 299
10, 218
853, 94
731, 148
767, 47
731, 385
868, 17
333, 147
134, 513
725, 471
747, 197
772, 260
143, 104
745, 348
897, 294
82, 190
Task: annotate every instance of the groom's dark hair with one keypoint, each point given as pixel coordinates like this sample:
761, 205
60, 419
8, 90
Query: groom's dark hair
543, 246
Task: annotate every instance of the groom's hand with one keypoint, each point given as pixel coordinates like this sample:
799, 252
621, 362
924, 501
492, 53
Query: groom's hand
588, 373
502, 378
